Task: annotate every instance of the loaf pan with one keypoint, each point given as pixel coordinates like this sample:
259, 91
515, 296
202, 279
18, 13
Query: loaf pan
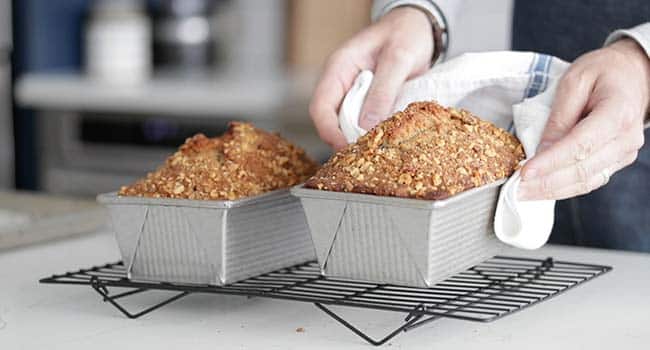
208, 242
409, 242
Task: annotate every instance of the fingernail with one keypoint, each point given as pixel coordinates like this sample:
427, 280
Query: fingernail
369, 120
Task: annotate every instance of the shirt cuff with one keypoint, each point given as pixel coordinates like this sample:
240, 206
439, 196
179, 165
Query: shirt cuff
640, 34
431, 9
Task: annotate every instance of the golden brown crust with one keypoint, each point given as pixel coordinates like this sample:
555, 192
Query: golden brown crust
244, 161
426, 151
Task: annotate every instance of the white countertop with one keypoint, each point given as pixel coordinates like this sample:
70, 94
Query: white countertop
611, 311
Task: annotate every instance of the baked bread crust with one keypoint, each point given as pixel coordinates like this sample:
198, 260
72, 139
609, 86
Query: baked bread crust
244, 161
426, 151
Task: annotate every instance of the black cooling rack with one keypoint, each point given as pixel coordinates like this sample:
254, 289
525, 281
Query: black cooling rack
488, 291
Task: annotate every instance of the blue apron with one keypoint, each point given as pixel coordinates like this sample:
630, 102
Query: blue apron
617, 215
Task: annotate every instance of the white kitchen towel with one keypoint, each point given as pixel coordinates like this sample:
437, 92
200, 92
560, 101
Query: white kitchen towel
513, 90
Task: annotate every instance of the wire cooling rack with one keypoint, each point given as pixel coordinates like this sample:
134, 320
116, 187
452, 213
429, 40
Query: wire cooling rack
495, 288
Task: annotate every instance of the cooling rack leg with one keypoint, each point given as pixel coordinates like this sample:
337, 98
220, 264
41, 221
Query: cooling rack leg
111, 299
411, 321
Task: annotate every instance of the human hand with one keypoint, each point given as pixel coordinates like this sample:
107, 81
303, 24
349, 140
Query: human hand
595, 127
396, 48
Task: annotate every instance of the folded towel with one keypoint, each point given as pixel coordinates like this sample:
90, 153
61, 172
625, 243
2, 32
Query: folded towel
513, 90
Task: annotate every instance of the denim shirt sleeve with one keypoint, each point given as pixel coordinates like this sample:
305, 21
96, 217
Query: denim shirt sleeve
640, 34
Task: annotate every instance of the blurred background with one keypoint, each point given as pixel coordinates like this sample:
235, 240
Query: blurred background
93, 94
103, 90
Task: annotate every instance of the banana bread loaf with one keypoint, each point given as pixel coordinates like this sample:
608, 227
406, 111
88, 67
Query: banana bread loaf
426, 151
244, 161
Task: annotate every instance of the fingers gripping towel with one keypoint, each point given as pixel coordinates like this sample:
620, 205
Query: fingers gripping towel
513, 90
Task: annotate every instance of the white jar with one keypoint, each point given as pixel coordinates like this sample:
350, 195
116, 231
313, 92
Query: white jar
118, 42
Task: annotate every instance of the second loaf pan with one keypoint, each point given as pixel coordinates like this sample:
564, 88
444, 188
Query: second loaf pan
401, 241
208, 242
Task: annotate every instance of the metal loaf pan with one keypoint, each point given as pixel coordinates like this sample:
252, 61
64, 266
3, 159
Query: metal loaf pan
208, 242
401, 241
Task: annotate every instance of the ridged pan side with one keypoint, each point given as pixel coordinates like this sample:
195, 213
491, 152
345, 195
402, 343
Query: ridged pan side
461, 235
400, 241
209, 243
369, 245
264, 237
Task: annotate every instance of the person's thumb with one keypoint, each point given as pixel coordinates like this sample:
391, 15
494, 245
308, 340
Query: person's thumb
392, 70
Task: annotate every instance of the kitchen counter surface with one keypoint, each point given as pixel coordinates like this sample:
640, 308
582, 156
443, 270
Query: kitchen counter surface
611, 311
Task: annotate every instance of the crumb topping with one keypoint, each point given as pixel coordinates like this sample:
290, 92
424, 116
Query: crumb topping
426, 151
244, 161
